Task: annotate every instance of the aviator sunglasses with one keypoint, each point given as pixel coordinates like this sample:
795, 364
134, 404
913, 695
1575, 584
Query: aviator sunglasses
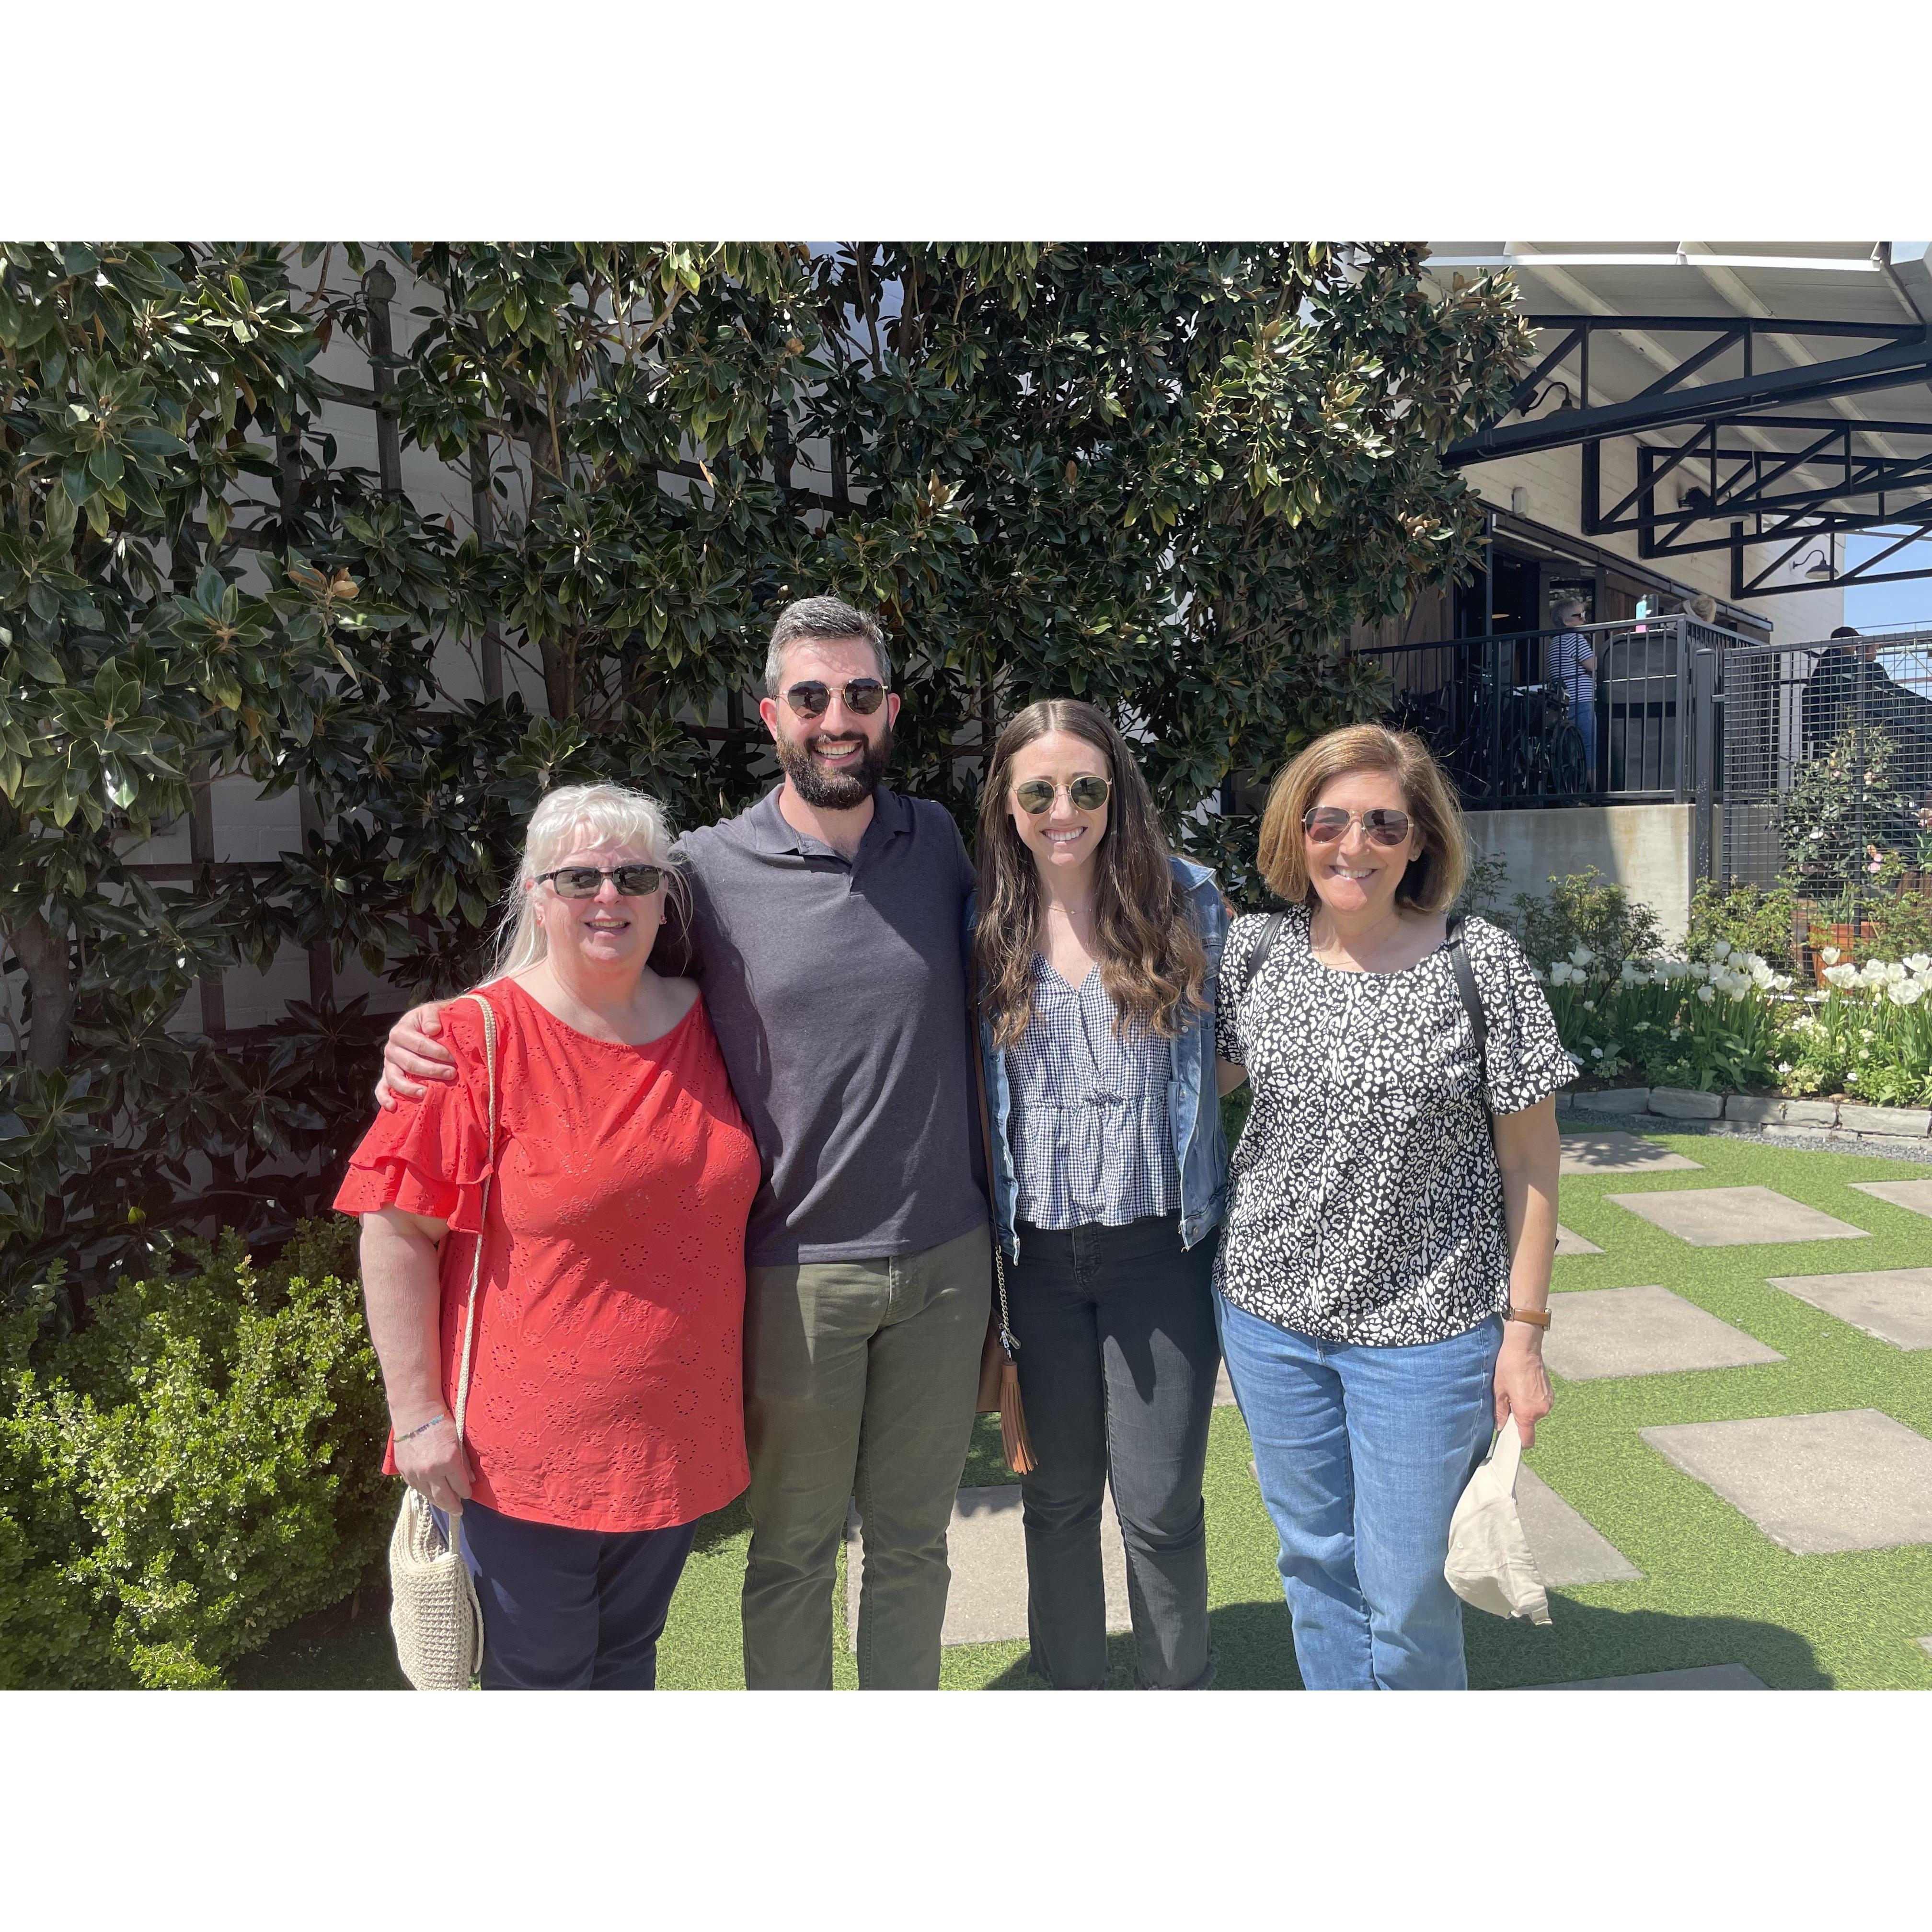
1326, 824
1035, 796
862, 694
582, 882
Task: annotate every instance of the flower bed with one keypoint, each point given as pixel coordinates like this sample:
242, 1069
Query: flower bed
1729, 1022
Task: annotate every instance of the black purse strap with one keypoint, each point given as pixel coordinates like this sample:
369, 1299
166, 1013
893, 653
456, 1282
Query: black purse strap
1258, 958
1472, 1000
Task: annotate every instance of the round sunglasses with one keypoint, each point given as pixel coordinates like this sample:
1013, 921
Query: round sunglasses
584, 882
1327, 824
810, 698
1035, 796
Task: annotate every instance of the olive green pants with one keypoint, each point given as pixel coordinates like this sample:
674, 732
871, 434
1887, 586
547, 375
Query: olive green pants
860, 1382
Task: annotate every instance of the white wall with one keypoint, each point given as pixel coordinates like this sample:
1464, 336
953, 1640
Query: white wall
1644, 848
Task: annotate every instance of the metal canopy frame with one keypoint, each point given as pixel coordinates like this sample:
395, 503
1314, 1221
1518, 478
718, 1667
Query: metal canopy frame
1736, 489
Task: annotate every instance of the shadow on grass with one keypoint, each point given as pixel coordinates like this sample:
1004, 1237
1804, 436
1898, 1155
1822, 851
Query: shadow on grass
346, 1647
1584, 1642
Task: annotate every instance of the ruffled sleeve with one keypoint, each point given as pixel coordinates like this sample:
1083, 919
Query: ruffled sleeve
431, 1156
1526, 1062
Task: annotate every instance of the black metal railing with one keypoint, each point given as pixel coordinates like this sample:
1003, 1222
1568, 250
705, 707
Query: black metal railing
1621, 712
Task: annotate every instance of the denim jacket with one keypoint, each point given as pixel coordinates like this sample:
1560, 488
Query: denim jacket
1193, 1098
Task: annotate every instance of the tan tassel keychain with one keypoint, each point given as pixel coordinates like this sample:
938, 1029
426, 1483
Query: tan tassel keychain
1013, 1441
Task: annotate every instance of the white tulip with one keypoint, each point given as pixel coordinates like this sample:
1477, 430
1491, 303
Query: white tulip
1905, 992
1707, 994
1846, 974
1722, 949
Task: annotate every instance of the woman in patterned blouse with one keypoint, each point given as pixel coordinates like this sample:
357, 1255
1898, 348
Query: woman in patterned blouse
1384, 1270
1095, 953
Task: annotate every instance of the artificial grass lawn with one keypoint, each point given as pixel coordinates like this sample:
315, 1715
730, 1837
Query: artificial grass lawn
1713, 1591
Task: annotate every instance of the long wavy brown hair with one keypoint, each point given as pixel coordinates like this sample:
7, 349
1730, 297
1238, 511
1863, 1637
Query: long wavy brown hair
1151, 960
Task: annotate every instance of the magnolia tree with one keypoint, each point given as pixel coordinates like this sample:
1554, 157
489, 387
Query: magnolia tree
1166, 478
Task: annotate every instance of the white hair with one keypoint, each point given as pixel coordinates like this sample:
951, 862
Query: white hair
1567, 608
611, 815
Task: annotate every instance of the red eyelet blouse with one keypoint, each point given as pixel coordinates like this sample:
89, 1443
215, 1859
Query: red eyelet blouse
604, 1389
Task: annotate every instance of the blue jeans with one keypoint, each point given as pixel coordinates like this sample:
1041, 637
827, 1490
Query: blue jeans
1583, 715
1362, 1454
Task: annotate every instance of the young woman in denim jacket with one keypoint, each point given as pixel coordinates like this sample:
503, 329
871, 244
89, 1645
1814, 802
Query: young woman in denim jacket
1096, 954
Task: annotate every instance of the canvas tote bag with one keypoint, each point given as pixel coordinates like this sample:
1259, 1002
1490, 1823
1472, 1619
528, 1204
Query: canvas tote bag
433, 1608
1490, 1565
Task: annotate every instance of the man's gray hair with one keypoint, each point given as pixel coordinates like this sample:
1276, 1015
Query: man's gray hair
828, 619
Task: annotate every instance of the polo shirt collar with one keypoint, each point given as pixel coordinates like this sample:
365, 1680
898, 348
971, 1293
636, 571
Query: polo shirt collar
773, 832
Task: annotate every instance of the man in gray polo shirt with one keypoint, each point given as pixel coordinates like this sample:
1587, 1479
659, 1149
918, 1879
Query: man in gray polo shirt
826, 930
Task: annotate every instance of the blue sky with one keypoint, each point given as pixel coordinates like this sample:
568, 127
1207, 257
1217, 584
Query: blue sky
1870, 606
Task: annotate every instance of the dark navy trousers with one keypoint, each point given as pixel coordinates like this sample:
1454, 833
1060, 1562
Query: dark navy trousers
570, 1610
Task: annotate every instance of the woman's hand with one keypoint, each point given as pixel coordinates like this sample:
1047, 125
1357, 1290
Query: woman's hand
413, 1052
434, 1463
1521, 1388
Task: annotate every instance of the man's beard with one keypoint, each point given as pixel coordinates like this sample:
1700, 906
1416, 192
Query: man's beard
835, 791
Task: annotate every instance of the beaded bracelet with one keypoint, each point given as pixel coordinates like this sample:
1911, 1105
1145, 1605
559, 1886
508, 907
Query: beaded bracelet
421, 1427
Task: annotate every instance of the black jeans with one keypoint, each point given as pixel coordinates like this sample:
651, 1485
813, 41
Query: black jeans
1117, 1359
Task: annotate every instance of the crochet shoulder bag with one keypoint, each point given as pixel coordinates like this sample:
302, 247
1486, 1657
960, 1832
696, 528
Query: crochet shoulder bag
433, 1608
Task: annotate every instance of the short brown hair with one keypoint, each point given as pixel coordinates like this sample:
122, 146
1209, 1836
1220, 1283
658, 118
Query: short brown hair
1435, 875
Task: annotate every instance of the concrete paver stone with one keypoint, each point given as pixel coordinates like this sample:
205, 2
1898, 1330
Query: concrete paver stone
1642, 1331
986, 1548
1224, 1390
1705, 1677
1569, 1243
1925, 1645
1567, 1550
1893, 1304
1728, 1217
1613, 1153
1915, 1195
1849, 1479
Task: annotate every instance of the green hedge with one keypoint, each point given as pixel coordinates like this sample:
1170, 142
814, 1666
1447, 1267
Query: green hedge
196, 1467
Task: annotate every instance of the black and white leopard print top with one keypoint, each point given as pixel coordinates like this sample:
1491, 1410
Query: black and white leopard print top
1364, 1203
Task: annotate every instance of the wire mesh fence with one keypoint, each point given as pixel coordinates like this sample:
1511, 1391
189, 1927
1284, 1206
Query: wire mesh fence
1827, 769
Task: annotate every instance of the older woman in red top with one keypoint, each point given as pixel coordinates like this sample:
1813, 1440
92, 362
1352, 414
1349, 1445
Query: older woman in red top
604, 1414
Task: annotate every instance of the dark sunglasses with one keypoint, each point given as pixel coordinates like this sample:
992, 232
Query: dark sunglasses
1035, 796
582, 882
862, 694
1327, 824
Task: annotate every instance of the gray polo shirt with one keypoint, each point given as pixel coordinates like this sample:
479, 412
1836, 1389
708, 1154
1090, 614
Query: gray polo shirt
838, 992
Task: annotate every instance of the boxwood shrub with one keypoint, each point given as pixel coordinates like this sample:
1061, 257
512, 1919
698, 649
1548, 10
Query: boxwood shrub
196, 1468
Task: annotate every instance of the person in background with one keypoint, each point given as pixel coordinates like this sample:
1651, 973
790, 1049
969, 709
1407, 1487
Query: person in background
828, 930
1573, 664
604, 1413
1384, 1273
1096, 952
1831, 692
1851, 676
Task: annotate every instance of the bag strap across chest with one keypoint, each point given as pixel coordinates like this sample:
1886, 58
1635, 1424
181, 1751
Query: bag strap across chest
1472, 1000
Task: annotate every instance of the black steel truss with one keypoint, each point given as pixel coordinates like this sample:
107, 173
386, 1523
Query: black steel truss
1730, 492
